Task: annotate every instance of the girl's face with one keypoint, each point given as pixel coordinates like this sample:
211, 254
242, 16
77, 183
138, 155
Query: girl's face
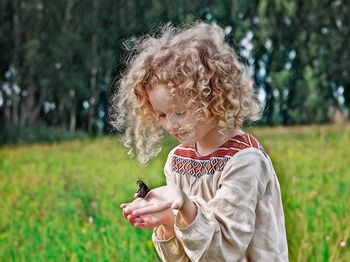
176, 118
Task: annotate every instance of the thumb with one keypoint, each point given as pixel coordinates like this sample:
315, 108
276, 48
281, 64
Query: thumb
176, 205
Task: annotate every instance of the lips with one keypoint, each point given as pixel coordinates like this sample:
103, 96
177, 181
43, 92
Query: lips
180, 135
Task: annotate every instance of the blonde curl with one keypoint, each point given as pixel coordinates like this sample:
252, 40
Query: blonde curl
193, 62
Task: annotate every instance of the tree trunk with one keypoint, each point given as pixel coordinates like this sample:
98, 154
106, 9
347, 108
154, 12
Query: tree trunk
14, 111
39, 105
92, 100
67, 15
61, 118
346, 95
25, 109
72, 109
93, 72
15, 63
7, 113
72, 112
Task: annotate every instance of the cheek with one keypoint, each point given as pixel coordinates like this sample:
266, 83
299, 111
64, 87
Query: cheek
186, 123
162, 122
200, 129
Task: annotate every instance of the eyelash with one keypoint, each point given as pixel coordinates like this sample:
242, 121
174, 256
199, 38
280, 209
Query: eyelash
180, 113
176, 113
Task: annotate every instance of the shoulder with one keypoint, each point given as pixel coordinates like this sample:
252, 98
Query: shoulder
249, 164
248, 157
247, 150
243, 144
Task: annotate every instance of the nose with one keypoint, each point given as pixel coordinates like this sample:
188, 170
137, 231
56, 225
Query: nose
171, 124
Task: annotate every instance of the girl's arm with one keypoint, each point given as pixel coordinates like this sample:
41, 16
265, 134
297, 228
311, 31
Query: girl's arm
171, 249
167, 245
224, 226
187, 212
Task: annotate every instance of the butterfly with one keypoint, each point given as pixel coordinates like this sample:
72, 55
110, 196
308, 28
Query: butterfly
143, 189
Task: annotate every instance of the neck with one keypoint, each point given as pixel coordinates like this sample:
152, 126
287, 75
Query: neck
215, 138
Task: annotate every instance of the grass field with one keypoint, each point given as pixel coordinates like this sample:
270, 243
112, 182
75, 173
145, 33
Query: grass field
60, 202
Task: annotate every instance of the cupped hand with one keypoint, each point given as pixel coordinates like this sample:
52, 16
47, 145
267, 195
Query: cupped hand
165, 217
157, 200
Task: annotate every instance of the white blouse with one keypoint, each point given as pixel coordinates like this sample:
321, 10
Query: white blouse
239, 207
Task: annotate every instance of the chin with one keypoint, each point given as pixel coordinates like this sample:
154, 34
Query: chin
186, 142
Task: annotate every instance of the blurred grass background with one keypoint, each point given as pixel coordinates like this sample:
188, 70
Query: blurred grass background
60, 202
59, 63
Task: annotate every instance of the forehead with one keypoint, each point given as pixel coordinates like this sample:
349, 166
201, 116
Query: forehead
162, 100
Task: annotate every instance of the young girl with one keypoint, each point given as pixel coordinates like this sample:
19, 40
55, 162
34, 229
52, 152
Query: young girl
222, 201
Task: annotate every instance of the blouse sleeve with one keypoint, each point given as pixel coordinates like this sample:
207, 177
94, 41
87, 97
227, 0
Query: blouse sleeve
224, 226
170, 249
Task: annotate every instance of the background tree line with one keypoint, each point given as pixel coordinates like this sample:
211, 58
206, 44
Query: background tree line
59, 58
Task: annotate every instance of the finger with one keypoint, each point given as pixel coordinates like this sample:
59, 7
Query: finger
136, 205
122, 205
130, 217
125, 214
134, 202
132, 220
126, 211
137, 220
141, 225
149, 209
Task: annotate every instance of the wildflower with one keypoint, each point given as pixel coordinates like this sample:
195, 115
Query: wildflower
342, 243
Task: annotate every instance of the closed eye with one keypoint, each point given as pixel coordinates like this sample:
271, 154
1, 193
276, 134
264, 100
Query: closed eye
180, 113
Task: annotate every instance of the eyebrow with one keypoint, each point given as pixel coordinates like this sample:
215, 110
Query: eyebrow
176, 110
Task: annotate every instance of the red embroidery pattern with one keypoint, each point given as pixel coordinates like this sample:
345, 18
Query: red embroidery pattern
186, 161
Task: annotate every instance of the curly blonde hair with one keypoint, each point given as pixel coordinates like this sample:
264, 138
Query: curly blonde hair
193, 62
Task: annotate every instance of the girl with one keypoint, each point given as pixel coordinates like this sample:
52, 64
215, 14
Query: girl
222, 201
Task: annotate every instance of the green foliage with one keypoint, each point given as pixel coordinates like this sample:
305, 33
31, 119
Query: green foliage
60, 202
68, 53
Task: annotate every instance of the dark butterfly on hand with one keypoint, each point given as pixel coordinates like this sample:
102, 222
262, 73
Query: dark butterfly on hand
143, 189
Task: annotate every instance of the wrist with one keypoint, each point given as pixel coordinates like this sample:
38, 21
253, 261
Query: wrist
188, 211
169, 220
165, 232
168, 227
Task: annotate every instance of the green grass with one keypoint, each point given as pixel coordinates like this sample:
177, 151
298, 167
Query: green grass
60, 202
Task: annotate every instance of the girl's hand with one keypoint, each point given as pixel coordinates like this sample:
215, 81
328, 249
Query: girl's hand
165, 218
157, 200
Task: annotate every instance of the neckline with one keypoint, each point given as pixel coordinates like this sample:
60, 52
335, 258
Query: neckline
221, 146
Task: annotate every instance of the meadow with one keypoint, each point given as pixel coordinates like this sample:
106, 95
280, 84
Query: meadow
60, 202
